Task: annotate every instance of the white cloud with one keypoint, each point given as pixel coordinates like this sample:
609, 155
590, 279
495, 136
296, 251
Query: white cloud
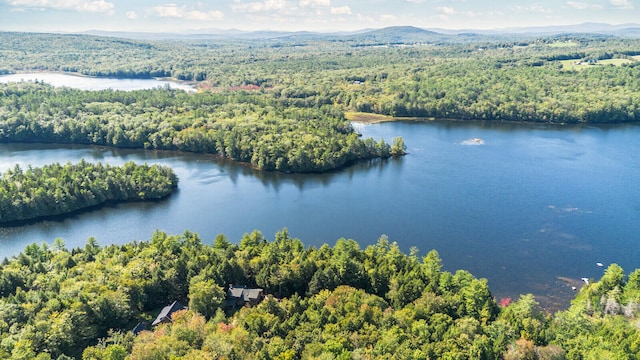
364, 18
388, 17
579, 5
95, 6
441, 17
483, 14
184, 12
315, 3
132, 15
623, 4
533, 9
341, 10
258, 6
446, 10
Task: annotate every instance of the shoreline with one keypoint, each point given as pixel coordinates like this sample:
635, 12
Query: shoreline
66, 215
371, 118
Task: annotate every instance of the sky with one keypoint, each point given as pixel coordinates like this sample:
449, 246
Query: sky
304, 15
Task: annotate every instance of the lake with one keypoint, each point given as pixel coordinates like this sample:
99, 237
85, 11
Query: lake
92, 83
530, 205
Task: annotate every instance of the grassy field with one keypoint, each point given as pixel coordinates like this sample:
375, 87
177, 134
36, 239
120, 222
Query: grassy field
367, 118
578, 65
616, 62
563, 44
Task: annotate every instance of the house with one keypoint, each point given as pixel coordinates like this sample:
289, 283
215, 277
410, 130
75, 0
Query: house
238, 296
141, 326
165, 314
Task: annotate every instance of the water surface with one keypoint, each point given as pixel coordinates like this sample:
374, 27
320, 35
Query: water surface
528, 206
92, 83
523, 207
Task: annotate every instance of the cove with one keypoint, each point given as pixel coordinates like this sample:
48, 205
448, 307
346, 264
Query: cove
528, 207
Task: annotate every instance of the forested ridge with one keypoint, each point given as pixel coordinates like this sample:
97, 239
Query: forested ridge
329, 302
59, 189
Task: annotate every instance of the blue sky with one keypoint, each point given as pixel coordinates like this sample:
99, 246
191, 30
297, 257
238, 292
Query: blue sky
313, 15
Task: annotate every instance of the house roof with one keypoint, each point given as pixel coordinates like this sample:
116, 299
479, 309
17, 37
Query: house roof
244, 293
141, 326
166, 312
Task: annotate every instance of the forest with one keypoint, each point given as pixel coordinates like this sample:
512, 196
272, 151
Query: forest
324, 302
570, 78
240, 126
60, 189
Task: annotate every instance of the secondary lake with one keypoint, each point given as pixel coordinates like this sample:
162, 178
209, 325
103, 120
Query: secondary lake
92, 83
530, 206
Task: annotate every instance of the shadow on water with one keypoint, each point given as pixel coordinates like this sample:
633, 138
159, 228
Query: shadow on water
192, 162
304, 181
78, 214
506, 126
60, 218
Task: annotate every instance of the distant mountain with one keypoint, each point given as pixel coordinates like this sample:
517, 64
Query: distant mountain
135, 35
401, 31
584, 28
398, 35
385, 36
390, 35
631, 32
218, 34
593, 28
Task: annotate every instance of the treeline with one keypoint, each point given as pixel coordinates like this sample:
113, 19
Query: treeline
326, 302
93, 55
242, 126
58, 189
477, 89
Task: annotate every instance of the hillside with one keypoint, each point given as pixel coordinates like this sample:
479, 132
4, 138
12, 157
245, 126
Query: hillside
399, 35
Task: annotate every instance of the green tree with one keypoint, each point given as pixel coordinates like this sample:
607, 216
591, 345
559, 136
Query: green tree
205, 297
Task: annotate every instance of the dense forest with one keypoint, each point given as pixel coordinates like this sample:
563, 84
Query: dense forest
329, 302
59, 189
240, 126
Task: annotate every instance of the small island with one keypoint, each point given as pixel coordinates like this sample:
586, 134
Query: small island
60, 189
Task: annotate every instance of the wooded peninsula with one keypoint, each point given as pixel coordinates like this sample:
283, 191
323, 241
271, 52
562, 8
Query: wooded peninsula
61, 189
240, 126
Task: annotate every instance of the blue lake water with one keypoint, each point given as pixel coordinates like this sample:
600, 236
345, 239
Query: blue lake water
531, 205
